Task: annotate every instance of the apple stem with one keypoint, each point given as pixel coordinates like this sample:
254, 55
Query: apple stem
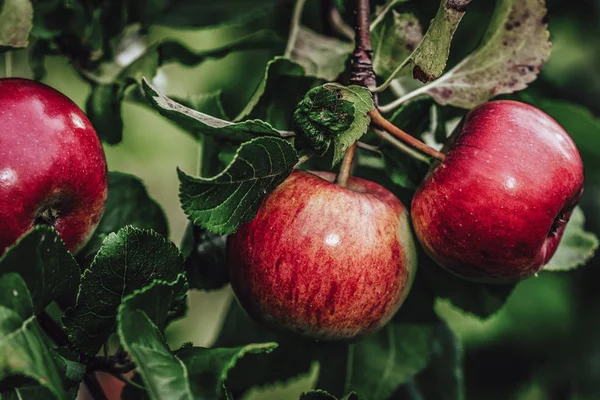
380, 122
346, 168
8, 64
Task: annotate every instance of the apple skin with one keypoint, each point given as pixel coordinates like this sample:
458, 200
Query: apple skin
496, 207
324, 261
52, 166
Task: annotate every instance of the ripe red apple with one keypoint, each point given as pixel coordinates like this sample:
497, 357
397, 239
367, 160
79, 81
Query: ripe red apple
324, 261
52, 166
496, 207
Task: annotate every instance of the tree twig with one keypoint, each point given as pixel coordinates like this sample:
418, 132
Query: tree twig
294, 27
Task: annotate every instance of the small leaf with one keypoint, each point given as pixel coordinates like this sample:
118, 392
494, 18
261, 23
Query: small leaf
23, 347
16, 17
44, 263
577, 246
233, 197
376, 366
321, 56
198, 123
127, 261
128, 203
514, 50
394, 39
333, 113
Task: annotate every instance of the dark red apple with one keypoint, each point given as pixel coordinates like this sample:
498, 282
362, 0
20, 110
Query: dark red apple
324, 261
52, 166
496, 207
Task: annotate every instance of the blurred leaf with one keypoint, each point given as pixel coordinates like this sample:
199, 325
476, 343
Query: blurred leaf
199, 123
16, 18
404, 170
127, 261
478, 299
172, 51
204, 14
443, 379
321, 56
284, 80
23, 349
208, 369
128, 203
44, 263
576, 247
377, 365
206, 265
336, 114
514, 50
223, 202
291, 358
323, 395
394, 39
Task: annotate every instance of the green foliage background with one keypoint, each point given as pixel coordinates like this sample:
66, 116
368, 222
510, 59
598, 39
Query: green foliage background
543, 344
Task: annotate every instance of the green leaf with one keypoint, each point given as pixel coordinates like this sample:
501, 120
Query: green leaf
321, 56
23, 349
45, 264
376, 366
323, 395
190, 373
233, 197
480, 300
127, 261
444, 377
198, 123
278, 73
333, 113
394, 39
173, 51
514, 50
204, 14
293, 357
128, 203
16, 17
577, 246
208, 369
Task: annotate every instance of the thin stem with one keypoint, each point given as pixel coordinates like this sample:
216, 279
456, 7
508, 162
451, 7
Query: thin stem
294, 27
380, 122
386, 137
338, 24
391, 78
129, 381
8, 64
382, 14
368, 147
302, 160
92, 384
346, 167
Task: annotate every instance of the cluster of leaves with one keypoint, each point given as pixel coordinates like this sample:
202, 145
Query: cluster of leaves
133, 281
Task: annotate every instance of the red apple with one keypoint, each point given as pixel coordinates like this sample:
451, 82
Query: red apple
496, 207
324, 261
52, 166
